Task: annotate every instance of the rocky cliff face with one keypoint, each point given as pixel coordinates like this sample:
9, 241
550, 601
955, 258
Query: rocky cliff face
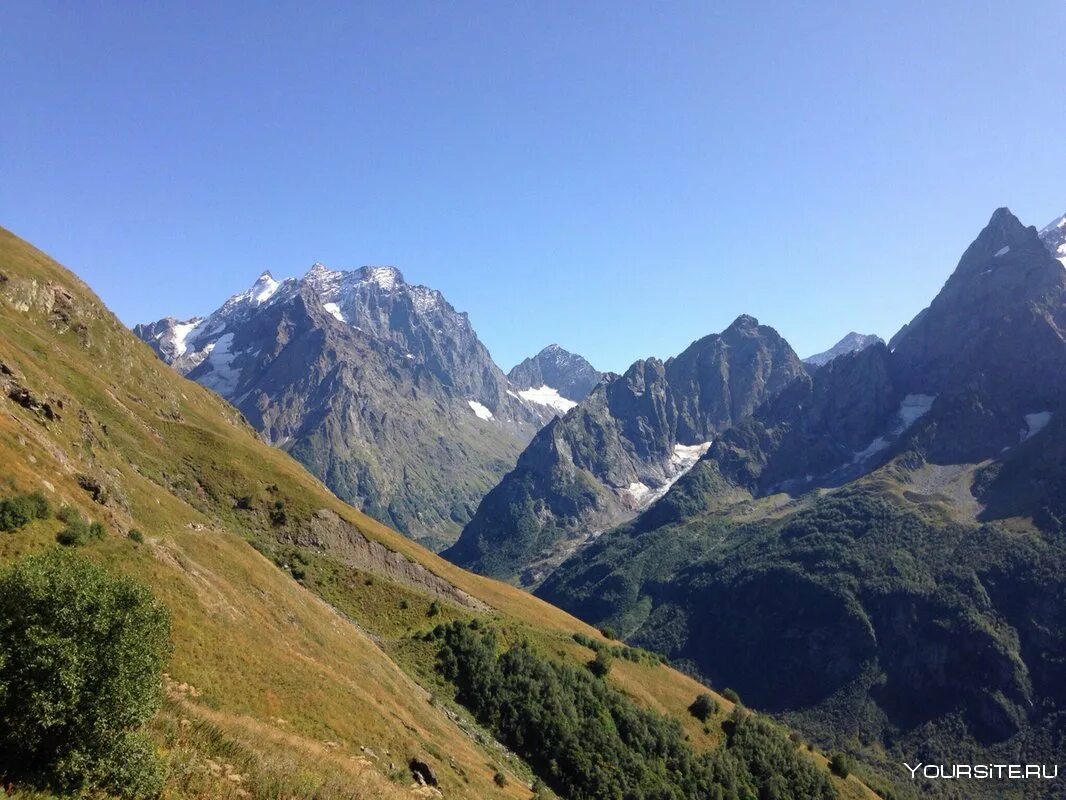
378, 386
621, 448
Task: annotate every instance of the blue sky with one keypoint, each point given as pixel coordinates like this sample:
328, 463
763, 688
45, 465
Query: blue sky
620, 178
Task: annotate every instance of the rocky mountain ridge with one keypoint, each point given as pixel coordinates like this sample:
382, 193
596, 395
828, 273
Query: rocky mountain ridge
621, 448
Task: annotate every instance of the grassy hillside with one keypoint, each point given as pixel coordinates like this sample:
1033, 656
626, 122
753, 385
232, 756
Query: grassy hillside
298, 667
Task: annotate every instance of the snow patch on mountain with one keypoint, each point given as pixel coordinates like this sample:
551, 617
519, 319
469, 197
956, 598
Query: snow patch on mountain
1053, 236
913, 408
263, 289
384, 278
546, 396
222, 377
682, 458
335, 311
181, 335
639, 492
479, 410
685, 456
1034, 423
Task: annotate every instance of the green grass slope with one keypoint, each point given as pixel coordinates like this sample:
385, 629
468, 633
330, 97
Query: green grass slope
297, 670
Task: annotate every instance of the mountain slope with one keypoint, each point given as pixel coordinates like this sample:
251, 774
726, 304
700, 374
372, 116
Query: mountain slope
554, 377
620, 448
887, 531
299, 666
378, 386
851, 343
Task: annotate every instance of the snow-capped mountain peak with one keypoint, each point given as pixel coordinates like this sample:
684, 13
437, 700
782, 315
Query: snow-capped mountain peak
849, 344
263, 289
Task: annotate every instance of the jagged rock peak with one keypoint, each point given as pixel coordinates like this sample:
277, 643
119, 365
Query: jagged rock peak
742, 323
554, 371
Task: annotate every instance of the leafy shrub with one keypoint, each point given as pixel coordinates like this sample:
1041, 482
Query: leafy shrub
78, 530
13, 514
19, 510
703, 707
840, 764
600, 666
136, 536
500, 779
277, 514
608, 633
404, 605
433, 610
731, 696
81, 656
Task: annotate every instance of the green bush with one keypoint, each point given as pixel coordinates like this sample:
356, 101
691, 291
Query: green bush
81, 657
500, 779
433, 610
13, 514
731, 696
19, 510
136, 536
840, 765
703, 707
78, 530
600, 666
278, 516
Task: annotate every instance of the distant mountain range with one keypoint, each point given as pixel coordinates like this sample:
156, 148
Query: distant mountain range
380, 387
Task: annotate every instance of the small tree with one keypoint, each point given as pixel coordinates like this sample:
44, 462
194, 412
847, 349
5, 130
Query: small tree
601, 664
703, 707
81, 656
731, 696
840, 765
14, 513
